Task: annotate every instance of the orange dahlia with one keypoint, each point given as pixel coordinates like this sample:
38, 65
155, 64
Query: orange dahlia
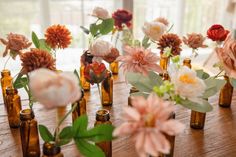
58, 36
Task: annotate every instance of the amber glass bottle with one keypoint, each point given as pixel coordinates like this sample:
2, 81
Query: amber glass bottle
187, 62
103, 117
13, 107
107, 90
132, 90
6, 81
197, 120
29, 134
114, 67
80, 109
51, 150
84, 83
226, 94
166, 76
164, 61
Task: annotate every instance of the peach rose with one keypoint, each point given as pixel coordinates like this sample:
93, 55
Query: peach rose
227, 56
154, 30
53, 89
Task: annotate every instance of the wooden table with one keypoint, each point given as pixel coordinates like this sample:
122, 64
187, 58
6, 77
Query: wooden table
218, 138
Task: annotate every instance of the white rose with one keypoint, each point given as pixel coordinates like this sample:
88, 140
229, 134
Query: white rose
101, 13
154, 30
100, 48
187, 84
53, 89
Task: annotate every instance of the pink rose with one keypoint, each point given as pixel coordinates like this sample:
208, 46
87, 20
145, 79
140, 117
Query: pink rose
101, 13
227, 56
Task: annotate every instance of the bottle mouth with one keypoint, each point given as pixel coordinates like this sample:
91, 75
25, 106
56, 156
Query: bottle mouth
26, 114
50, 148
102, 115
5, 72
11, 90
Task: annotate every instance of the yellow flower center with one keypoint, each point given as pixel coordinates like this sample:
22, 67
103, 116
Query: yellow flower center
187, 79
156, 28
150, 120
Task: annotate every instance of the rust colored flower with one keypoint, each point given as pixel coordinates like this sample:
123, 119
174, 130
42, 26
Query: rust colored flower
95, 72
172, 41
139, 60
14, 44
194, 41
217, 33
58, 36
162, 20
36, 59
112, 55
122, 16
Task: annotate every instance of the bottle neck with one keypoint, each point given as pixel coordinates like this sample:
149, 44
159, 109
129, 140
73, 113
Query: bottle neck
102, 115
5, 73
50, 148
26, 114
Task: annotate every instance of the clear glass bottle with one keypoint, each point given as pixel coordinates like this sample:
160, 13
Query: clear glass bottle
29, 134
107, 90
226, 94
132, 90
84, 83
197, 120
103, 117
80, 109
6, 81
187, 62
13, 107
114, 67
51, 150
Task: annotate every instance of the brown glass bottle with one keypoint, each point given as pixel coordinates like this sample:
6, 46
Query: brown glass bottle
164, 61
132, 90
107, 90
187, 62
103, 117
29, 134
6, 81
226, 94
197, 120
165, 76
13, 107
80, 109
51, 150
84, 83
114, 67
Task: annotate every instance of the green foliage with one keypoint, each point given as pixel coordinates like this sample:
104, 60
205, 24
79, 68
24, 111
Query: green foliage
77, 75
233, 82
85, 30
202, 75
20, 81
35, 40
45, 133
44, 46
165, 88
145, 42
66, 135
175, 59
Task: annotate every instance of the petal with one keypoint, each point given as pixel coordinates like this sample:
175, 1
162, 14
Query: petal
149, 146
131, 114
124, 129
161, 143
172, 127
139, 138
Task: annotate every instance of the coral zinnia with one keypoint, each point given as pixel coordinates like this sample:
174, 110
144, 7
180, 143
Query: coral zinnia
172, 41
194, 41
147, 122
139, 60
122, 16
36, 59
58, 36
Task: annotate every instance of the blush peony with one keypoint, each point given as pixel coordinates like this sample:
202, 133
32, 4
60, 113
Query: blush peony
154, 30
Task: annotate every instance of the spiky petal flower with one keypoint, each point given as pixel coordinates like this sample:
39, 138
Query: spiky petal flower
147, 122
58, 36
138, 59
172, 41
14, 44
194, 41
122, 17
36, 59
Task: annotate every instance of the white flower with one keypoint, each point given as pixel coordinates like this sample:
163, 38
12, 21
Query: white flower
100, 48
101, 13
187, 84
154, 29
53, 89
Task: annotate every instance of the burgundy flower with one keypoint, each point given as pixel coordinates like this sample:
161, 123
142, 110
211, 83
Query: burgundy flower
121, 17
217, 33
95, 72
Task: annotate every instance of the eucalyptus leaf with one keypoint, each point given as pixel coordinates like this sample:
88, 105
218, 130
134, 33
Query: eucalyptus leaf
45, 133
145, 42
80, 125
106, 26
233, 82
201, 74
145, 95
213, 86
203, 105
35, 40
88, 149
20, 82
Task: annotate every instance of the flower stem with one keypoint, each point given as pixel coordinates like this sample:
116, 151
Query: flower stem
29, 94
99, 92
117, 37
170, 28
6, 62
218, 74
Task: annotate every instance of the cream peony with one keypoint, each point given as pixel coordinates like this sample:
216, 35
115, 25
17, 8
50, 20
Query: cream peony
53, 89
154, 29
101, 13
100, 48
187, 84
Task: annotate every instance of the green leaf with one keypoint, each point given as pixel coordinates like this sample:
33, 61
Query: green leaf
20, 82
44, 46
233, 82
99, 133
80, 125
45, 133
77, 74
145, 42
16, 82
66, 135
201, 74
106, 26
35, 40
88, 149
94, 29
203, 106
145, 95
85, 30
213, 86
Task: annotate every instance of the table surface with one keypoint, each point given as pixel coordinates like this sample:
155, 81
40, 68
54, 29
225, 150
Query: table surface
216, 140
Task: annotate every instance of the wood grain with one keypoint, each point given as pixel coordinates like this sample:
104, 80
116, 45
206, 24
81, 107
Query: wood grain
216, 140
